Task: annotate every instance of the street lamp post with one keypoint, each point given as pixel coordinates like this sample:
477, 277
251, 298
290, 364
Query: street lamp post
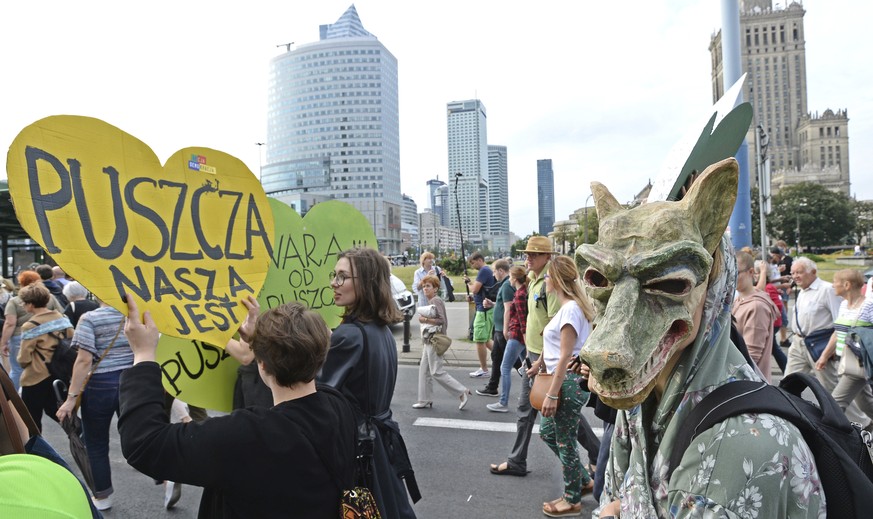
260, 167
586, 216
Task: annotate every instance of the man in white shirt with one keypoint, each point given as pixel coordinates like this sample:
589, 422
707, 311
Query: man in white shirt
816, 308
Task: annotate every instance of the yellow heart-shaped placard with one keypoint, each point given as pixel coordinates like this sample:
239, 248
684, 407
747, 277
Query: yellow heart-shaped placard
189, 239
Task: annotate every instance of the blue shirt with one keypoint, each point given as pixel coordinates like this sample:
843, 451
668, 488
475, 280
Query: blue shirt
486, 277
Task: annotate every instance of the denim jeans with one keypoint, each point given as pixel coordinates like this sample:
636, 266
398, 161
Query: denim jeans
513, 352
99, 403
14, 368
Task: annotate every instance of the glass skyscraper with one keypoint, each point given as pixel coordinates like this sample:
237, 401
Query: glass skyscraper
332, 125
545, 196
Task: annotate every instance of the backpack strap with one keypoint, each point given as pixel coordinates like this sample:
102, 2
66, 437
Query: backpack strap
723, 402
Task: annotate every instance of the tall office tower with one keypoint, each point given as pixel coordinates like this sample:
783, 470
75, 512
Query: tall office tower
332, 125
433, 188
498, 198
441, 205
773, 54
409, 224
545, 196
468, 168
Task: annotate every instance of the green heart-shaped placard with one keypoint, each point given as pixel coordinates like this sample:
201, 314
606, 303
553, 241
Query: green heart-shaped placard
188, 239
305, 252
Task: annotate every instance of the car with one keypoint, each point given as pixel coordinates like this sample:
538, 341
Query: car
402, 297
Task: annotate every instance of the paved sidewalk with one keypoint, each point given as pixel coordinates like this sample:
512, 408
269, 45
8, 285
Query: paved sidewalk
462, 352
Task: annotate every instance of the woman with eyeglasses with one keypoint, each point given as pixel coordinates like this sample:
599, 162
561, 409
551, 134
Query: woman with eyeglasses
563, 337
362, 364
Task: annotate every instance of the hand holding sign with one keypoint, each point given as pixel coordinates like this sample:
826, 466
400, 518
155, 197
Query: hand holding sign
189, 240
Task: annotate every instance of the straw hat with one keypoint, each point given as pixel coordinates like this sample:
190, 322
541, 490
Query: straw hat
539, 244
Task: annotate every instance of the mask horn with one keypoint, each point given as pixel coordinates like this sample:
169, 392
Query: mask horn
605, 204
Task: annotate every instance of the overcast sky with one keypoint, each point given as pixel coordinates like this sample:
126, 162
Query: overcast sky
603, 89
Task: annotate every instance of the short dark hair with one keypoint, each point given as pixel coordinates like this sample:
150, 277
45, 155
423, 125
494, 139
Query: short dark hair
501, 264
374, 300
476, 256
291, 342
776, 250
36, 294
45, 272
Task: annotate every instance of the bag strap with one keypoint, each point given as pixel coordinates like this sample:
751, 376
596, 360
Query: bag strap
723, 402
10, 395
94, 366
330, 468
365, 355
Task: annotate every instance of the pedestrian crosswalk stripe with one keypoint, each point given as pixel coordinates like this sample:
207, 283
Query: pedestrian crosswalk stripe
479, 425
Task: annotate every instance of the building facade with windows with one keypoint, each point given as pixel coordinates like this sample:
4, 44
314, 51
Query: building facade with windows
468, 168
545, 196
333, 125
498, 199
773, 55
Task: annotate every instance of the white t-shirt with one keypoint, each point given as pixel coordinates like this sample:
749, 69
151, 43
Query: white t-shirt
568, 314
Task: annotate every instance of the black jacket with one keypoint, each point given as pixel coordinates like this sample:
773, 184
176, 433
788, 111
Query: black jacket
253, 463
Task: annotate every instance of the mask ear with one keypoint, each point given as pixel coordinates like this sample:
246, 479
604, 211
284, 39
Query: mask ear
604, 202
711, 200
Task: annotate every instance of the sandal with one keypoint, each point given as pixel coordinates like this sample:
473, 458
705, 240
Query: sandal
551, 509
505, 469
588, 489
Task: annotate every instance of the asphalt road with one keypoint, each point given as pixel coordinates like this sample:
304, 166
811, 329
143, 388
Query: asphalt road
450, 459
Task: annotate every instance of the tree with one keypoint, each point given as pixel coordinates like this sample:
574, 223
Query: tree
863, 212
593, 225
564, 234
521, 244
823, 216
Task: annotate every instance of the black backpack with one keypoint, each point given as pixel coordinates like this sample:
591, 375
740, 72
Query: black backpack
61, 365
840, 448
492, 291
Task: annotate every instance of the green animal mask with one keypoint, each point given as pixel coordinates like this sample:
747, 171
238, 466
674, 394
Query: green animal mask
647, 275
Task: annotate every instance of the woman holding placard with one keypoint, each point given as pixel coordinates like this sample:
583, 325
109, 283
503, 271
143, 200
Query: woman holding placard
289, 460
362, 364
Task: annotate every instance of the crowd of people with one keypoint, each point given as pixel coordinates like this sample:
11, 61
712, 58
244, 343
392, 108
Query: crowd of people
328, 394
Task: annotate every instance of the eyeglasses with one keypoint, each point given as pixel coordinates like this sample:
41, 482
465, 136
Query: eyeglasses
338, 278
533, 255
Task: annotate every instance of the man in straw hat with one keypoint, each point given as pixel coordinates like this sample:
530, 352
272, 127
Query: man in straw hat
541, 308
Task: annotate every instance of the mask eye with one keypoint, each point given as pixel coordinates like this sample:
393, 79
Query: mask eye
676, 287
595, 279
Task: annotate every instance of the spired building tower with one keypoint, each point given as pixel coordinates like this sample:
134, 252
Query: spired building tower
468, 157
333, 127
545, 196
803, 146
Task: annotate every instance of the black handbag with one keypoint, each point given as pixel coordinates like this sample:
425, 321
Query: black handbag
815, 342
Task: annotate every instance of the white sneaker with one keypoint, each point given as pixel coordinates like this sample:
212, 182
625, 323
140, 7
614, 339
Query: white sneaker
480, 373
172, 494
102, 504
497, 407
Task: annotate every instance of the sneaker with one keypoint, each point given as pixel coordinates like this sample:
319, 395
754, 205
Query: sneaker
497, 407
487, 392
480, 373
102, 504
172, 494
